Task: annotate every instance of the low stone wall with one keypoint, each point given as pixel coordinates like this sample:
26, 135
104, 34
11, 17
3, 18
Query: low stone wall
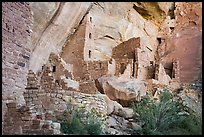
38, 115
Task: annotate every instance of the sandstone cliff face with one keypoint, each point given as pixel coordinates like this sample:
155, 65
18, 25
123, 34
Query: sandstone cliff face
115, 27
184, 41
109, 26
119, 25
56, 31
71, 46
44, 14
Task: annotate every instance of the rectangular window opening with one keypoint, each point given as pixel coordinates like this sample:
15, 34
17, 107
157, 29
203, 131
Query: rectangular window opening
54, 69
89, 53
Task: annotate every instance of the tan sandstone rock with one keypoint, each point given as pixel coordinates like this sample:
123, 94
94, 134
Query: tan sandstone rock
124, 91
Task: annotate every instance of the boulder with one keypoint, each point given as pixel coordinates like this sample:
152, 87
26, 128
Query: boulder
128, 112
124, 91
110, 105
113, 107
113, 131
56, 126
118, 109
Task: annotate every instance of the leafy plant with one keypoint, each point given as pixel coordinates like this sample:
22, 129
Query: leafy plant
191, 125
79, 121
165, 116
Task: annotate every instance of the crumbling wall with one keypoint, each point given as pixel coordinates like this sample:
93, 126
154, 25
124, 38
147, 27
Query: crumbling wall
47, 97
142, 64
161, 75
73, 53
90, 101
16, 49
141, 61
124, 56
126, 49
176, 69
47, 81
49, 104
16, 119
78, 51
95, 69
124, 67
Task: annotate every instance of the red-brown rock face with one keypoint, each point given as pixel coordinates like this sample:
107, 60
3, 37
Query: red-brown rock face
185, 42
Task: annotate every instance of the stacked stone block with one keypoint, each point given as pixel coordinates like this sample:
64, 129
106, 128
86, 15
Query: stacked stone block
126, 49
41, 125
97, 69
16, 50
90, 101
48, 82
32, 91
18, 118
176, 70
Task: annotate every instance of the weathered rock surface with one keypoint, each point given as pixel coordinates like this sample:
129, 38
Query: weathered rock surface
117, 26
51, 39
192, 99
123, 91
128, 112
43, 15
184, 41
151, 11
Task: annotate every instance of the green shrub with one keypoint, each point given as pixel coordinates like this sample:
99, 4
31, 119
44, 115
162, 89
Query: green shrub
166, 116
191, 125
79, 121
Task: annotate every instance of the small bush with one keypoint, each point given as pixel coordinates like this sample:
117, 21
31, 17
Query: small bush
192, 124
166, 116
79, 121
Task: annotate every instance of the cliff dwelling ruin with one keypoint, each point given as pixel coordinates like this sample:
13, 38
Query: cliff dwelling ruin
93, 53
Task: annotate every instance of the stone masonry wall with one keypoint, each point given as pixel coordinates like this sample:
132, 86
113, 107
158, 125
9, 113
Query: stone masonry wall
73, 53
126, 49
56, 100
142, 64
121, 66
97, 69
16, 45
